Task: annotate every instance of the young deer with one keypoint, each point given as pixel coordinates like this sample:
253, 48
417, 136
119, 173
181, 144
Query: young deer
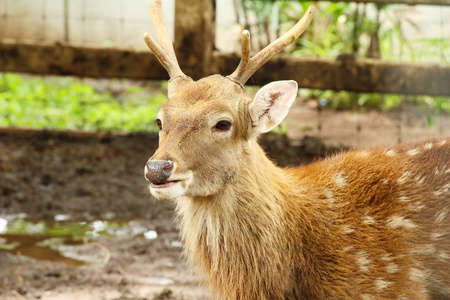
366, 224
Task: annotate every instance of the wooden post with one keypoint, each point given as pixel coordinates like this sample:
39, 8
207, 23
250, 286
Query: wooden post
194, 36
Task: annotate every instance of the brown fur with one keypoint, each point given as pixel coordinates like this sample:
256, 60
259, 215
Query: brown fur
366, 224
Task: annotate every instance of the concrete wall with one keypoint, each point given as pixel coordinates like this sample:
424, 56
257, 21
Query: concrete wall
106, 23
121, 23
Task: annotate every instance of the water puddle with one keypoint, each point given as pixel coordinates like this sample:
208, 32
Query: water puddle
56, 240
30, 246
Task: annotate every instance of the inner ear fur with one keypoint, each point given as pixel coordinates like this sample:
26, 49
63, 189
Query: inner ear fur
271, 104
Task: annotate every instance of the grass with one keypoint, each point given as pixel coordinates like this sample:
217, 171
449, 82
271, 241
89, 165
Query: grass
67, 103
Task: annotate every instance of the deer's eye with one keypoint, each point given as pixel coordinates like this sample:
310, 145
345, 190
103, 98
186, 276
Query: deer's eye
222, 126
158, 122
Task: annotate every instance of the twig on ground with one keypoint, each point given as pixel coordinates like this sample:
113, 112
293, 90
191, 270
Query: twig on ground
105, 260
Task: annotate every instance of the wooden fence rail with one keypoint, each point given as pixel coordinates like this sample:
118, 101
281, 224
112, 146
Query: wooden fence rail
360, 75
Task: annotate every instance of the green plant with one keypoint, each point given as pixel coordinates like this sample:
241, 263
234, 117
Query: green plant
67, 103
361, 28
387, 102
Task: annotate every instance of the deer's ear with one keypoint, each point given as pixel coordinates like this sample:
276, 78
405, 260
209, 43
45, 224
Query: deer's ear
271, 104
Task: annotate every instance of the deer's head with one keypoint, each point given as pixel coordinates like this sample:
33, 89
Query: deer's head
207, 127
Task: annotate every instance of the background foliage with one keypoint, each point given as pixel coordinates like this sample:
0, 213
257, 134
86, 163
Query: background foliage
69, 103
361, 29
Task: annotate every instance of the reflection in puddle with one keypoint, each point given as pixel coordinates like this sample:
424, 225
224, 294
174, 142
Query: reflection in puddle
25, 245
3, 225
55, 240
151, 235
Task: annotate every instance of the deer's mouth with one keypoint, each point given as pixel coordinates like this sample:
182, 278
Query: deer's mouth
165, 184
172, 188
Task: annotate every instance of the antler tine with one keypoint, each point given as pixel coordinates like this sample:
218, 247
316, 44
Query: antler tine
245, 57
164, 52
247, 67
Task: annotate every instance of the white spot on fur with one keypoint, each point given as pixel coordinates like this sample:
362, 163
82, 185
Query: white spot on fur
386, 257
402, 297
420, 180
437, 171
417, 275
424, 249
368, 220
399, 221
330, 196
413, 152
403, 199
385, 181
363, 261
437, 193
392, 268
390, 153
381, 284
416, 206
348, 248
367, 297
442, 215
443, 256
442, 143
404, 177
340, 179
347, 229
447, 171
445, 188
428, 146
437, 235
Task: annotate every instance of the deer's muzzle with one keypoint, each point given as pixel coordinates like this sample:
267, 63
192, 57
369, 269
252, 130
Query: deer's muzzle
158, 171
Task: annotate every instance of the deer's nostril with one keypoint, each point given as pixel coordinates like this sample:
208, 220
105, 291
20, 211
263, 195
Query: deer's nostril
159, 171
168, 167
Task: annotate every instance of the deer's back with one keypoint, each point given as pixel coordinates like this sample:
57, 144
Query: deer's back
388, 211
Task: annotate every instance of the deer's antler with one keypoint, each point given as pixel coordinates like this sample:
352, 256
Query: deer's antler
248, 66
163, 52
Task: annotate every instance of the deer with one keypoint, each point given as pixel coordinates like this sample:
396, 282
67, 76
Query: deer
367, 224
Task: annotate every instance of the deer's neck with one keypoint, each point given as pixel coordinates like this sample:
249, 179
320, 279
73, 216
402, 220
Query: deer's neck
247, 222
252, 202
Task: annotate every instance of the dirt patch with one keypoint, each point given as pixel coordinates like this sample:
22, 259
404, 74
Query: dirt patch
365, 128
44, 173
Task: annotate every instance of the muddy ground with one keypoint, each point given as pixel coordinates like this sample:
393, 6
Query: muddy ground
90, 176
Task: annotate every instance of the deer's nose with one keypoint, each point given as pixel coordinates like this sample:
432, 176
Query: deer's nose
158, 171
